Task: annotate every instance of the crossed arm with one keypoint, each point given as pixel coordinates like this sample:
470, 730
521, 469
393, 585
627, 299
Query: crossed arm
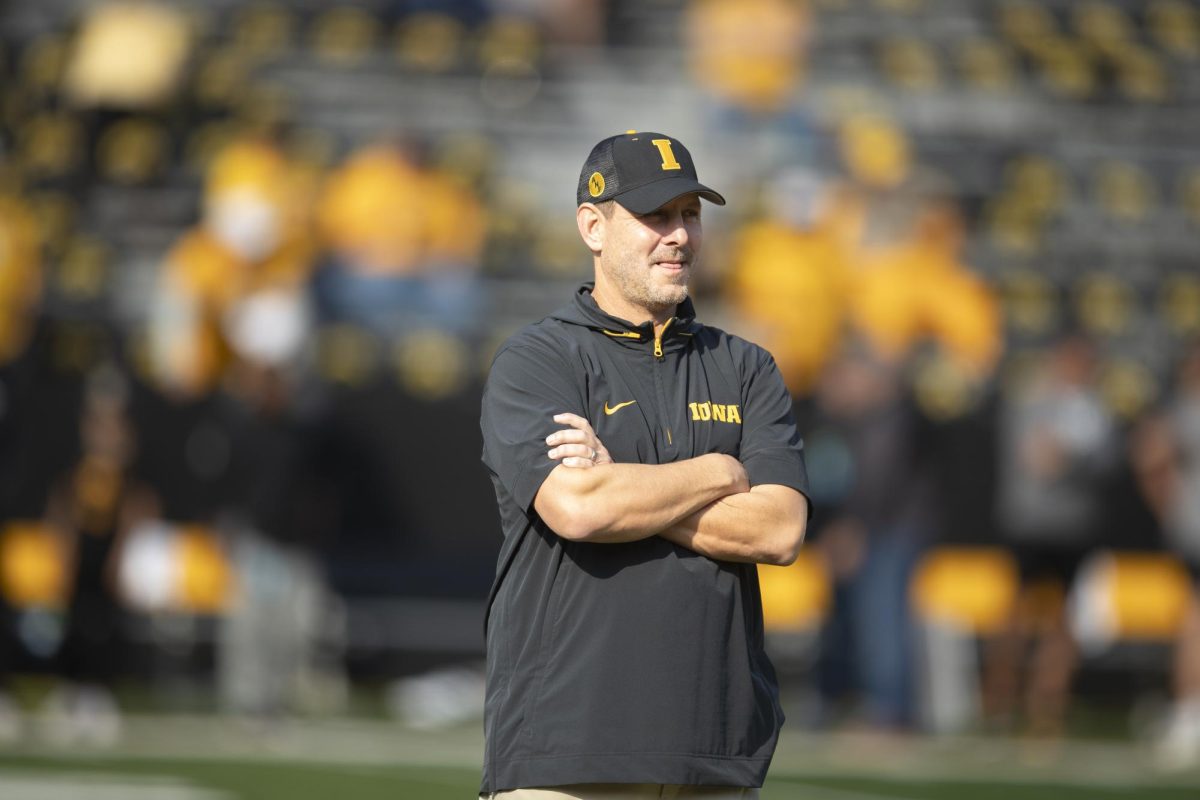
705, 504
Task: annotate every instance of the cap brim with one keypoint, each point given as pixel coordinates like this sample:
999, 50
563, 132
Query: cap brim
645, 199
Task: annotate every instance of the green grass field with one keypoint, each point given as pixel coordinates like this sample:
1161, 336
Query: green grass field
209, 758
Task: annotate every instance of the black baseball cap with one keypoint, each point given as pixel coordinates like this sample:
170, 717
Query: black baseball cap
640, 170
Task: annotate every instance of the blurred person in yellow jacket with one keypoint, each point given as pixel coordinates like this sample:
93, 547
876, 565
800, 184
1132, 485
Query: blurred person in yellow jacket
751, 58
789, 278
20, 276
919, 288
253, 238
404, 243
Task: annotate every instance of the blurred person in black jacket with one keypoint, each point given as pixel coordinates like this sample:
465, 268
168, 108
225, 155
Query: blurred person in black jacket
94, 506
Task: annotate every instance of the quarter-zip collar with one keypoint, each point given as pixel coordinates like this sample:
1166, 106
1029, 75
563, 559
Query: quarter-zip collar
583, 310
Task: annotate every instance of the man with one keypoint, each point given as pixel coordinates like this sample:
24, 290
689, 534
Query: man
643, 464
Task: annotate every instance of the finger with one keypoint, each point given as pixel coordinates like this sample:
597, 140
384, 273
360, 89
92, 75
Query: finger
574, 420
571, 436
573, 450
578, 463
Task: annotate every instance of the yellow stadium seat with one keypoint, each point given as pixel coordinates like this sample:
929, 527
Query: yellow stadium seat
1129, 597
1026, 24
430, 42
55, 213
1102, 26
263, 31
910, 64
51, 145
971, 589
1066, 68
344, 36
1174, 25
133, 151
1127, 386
1105, 304
432, 364
508, 40
795, 598
1141, 75
33, 569
205, 577
219, 79
987, 64
1179, 304
345, 354
1125, 191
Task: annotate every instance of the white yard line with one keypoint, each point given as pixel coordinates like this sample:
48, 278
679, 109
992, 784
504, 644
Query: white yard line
31, 785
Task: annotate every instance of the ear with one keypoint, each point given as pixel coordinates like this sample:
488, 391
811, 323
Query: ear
591, 226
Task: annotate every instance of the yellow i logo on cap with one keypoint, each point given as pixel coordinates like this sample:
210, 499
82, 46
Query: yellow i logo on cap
668, 156
596, 184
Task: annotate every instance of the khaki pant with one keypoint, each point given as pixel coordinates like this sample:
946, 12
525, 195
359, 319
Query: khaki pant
628, 791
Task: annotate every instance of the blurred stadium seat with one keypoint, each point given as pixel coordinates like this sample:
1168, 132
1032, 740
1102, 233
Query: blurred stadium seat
958, 594
33, 569
1129, 597
795, 598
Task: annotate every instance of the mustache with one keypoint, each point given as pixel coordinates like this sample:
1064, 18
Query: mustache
680, 254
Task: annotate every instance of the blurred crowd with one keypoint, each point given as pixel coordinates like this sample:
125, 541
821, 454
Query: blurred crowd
278, 412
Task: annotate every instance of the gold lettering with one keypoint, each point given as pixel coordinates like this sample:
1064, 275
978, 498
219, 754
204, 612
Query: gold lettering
695, 411
734, 415
668, 156
705, 411
719, 412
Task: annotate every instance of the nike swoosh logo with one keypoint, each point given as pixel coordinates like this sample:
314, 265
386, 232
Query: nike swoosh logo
614, 409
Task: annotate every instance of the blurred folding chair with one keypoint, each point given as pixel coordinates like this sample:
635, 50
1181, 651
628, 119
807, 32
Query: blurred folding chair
910, 64
1174, 25
344, 36
430, 42
133, 151
33, 570
1128, 597
957, 593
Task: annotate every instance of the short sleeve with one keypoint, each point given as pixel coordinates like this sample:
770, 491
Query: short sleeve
772, 450
526, 387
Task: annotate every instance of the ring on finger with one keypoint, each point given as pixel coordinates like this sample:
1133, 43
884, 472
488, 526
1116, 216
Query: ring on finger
592, 456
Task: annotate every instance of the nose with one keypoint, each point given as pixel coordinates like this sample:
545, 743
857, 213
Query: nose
676, 233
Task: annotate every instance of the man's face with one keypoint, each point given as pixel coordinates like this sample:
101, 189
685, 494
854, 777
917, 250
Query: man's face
649, 257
